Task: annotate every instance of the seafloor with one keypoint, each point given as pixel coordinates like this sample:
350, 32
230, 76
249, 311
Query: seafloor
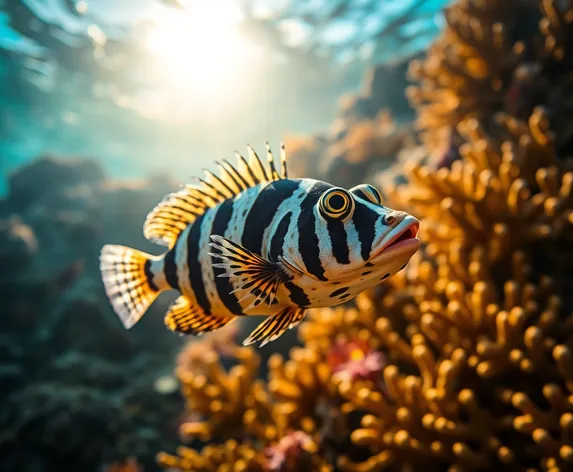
461, 362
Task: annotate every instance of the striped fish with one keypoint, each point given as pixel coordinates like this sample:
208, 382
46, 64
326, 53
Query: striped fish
251, 241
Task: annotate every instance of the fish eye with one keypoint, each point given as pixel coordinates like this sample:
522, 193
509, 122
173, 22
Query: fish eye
336, 203
367, 192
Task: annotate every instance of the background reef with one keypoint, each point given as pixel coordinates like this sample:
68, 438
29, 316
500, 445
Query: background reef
461, 362
76, 390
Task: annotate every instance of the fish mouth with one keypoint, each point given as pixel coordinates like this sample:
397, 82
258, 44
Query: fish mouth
401, 239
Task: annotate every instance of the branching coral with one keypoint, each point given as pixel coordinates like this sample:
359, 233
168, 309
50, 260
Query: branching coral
227, 404
488, 61
475, 379
480, 357
212, 392
463, 361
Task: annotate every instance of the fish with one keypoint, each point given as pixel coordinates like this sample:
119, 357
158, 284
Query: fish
249, 240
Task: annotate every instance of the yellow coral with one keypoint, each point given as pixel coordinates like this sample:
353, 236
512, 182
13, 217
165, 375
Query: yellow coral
495, 354
216, 399
230, 457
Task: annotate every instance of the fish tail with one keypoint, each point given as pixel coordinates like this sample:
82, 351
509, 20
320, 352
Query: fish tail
128, 279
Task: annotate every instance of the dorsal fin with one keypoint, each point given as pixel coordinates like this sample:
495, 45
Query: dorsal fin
179, 209
283, 162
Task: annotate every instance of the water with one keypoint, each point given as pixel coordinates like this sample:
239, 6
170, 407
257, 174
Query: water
97, 79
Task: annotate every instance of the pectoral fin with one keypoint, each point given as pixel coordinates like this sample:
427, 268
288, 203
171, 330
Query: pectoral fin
274, 326
257, 277
185, 318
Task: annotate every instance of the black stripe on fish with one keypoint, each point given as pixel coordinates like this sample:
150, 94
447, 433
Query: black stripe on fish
308, 243
338, 240
262, 212
223, 284
278, 238
170, 268
365, 222
297, 295
284, 321
338, 291
195, 273
149, 276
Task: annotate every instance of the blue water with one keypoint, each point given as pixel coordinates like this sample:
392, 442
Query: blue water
77, 79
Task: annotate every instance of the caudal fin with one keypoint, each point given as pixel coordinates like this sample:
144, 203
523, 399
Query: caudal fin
128, 281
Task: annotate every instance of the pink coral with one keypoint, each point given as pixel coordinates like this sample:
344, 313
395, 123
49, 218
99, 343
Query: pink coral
288, 451
355, 360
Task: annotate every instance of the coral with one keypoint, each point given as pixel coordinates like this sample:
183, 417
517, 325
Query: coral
130, 465
487, 61
354, 360
462, 361
211, 392
228, 456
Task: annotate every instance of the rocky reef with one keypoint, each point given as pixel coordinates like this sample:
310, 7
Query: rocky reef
463, 361
372, 128
77, 390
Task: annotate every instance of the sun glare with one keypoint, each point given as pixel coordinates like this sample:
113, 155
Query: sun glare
200, 48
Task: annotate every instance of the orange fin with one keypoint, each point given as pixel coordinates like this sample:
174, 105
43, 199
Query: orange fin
170, 217
275, 326
185, 318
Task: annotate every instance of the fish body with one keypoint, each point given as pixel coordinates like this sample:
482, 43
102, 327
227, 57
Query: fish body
252, 241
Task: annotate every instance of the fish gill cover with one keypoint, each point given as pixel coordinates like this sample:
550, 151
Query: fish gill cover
460, 362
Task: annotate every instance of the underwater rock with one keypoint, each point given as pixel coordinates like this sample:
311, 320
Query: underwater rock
48, 175
305, 155
354, 152
129, 203
12, 377
368, 147
77, 425
382, 88
66, 362
18, 245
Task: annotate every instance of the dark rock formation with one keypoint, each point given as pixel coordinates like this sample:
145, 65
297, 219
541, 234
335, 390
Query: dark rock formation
77, 389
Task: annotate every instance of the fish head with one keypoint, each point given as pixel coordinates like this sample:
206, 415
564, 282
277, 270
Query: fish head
360, 241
